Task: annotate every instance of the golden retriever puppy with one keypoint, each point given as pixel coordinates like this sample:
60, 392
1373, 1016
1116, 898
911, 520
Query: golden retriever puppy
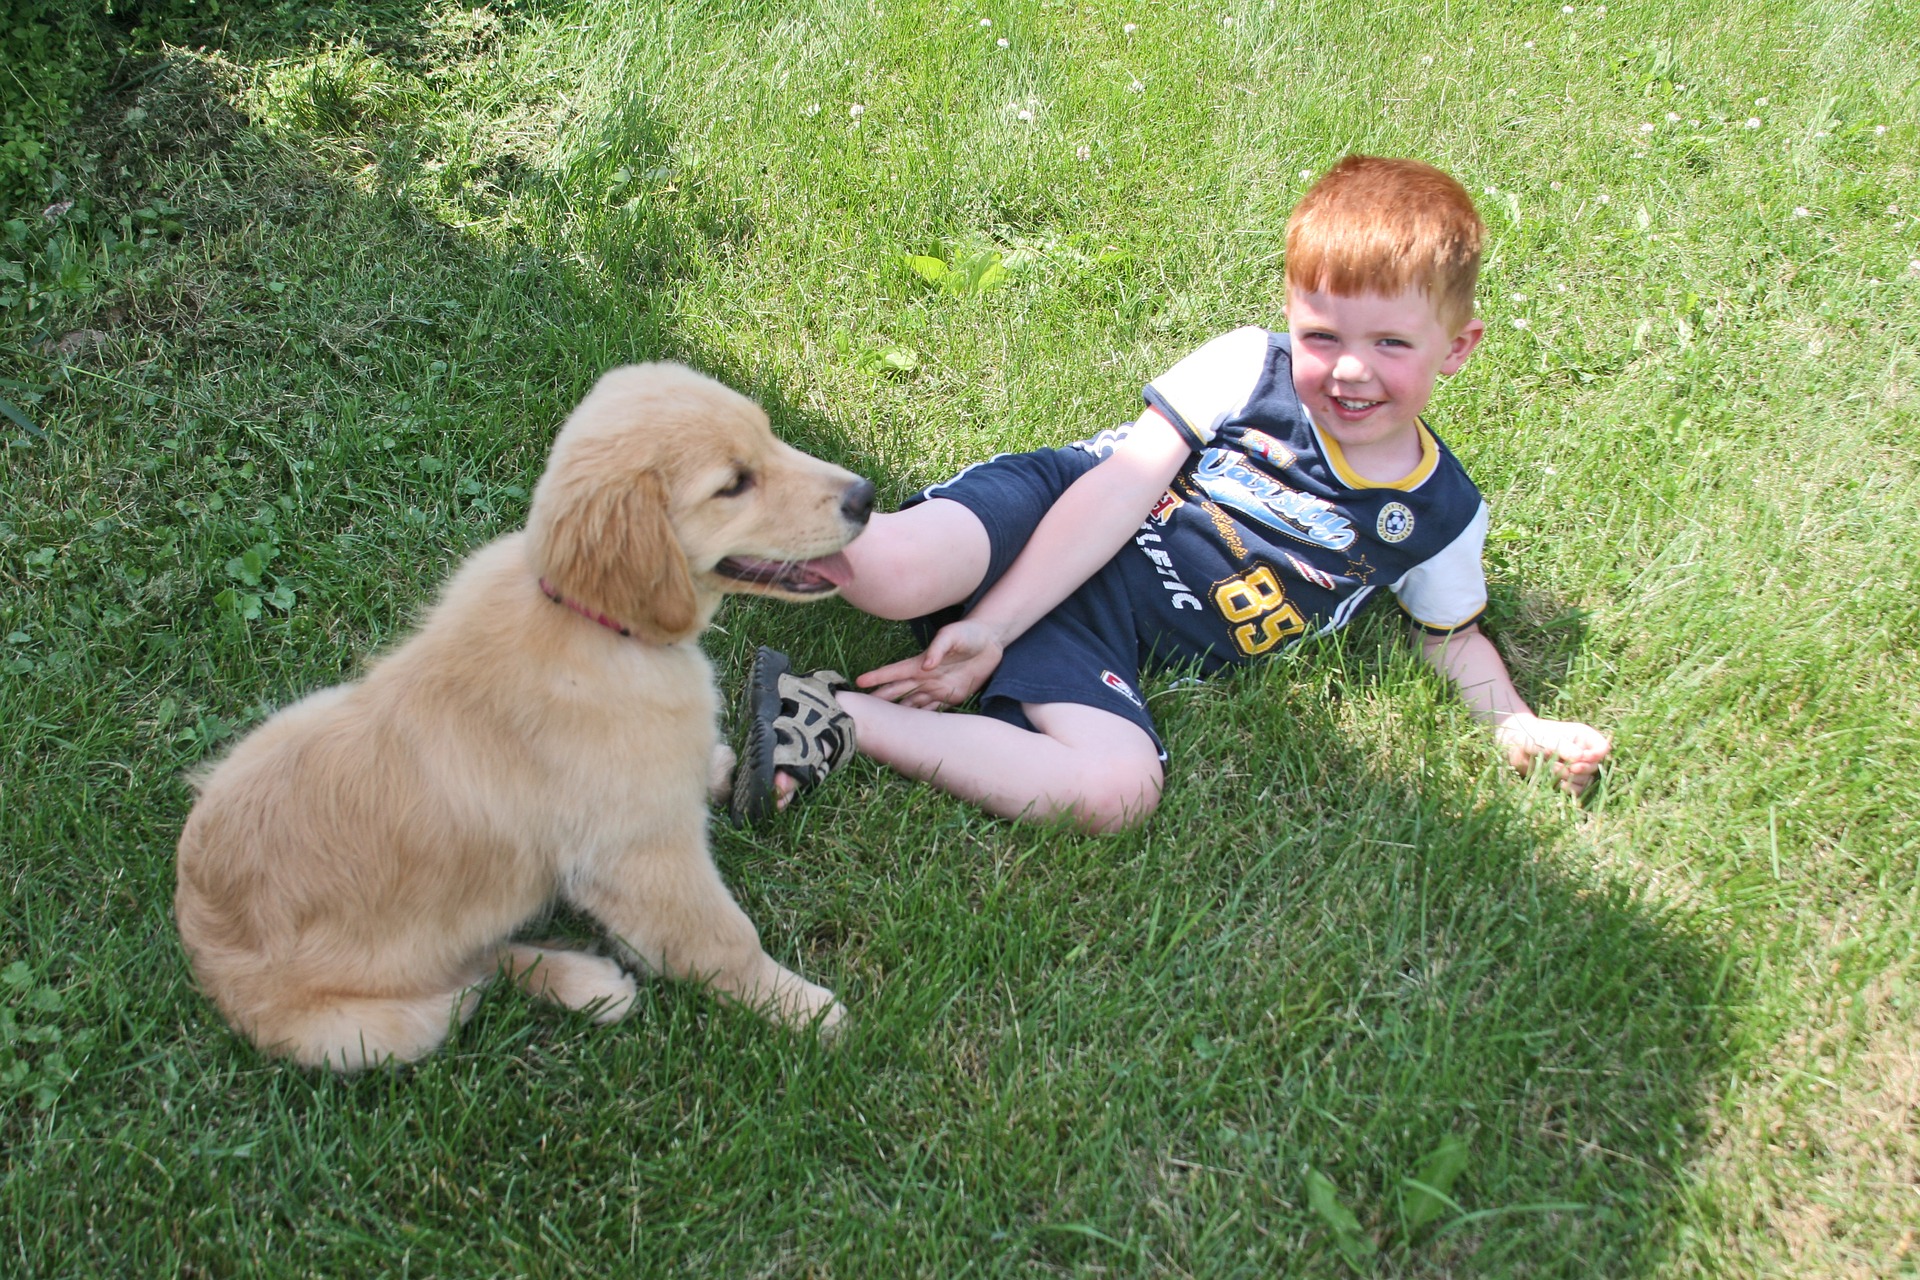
352, 871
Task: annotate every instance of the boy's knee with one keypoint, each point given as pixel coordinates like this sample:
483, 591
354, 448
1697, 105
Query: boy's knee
1118, 798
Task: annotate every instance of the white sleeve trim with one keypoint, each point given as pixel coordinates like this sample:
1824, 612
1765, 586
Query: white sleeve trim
1212, 384
1449, 589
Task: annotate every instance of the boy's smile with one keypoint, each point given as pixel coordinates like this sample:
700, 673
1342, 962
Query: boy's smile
1364, 365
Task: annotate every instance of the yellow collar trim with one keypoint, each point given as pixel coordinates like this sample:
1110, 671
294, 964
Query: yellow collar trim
1429, 459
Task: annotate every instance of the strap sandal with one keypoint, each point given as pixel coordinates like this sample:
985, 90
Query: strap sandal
792, 724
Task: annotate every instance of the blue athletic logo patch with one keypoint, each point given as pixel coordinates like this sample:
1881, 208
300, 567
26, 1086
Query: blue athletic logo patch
1395, 523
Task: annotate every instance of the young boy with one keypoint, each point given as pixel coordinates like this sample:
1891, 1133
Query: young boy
1275, 483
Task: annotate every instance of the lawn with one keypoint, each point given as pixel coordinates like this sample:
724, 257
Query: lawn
301, 305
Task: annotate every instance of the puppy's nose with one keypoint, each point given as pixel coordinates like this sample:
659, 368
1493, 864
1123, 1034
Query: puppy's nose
857, 505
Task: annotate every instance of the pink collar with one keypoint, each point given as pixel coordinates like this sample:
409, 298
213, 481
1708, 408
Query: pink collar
547, 589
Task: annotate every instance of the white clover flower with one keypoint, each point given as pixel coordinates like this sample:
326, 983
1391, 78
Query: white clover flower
1819, 133
1519, 297
1800, 211
1226, 22
1519, 322
1426, 59
1893, 208
1527, 45
1491, 190
1914, 266
1002, 42
1129, 28
1554, 186
1604, 198
986, 22
1602, 11
1305, 174
1673, 117
1646, 128
812, 109
1879, 130
1760, 101
1560, 288
1566, 8
1083, 153
855, 111
1025, 114
1513, 93
1753, 122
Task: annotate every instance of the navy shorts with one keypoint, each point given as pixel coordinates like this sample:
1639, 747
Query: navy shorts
1087, 650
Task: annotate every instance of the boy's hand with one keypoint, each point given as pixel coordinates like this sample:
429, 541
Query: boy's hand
963, 654
1576, 750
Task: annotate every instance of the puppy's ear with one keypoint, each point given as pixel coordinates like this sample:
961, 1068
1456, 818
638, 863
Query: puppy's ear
610, 548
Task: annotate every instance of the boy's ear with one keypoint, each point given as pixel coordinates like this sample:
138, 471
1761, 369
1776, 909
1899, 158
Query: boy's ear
1463, 344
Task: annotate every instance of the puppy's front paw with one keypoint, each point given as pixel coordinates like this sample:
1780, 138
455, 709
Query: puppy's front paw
833, 1023
720, 774
814, 1006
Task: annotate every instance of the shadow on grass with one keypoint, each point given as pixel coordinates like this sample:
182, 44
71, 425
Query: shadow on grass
1068, 1053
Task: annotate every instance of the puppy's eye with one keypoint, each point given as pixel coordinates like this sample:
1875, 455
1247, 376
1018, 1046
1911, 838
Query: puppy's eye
742, 481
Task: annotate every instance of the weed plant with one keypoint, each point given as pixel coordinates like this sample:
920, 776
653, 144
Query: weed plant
312, 294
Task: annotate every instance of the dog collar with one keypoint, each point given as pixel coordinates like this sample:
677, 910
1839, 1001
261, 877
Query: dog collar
547, 589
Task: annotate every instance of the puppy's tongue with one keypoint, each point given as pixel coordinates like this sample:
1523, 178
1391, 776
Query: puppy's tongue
834, 568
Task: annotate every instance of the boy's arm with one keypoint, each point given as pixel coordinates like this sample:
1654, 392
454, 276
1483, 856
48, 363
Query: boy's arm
1084, 529
1468, 659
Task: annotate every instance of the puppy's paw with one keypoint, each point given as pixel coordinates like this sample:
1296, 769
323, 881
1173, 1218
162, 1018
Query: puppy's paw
720, 774
591, 984
816, 1007
833, 1022
612, 1001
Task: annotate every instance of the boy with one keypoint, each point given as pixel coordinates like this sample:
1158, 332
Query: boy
1273, 485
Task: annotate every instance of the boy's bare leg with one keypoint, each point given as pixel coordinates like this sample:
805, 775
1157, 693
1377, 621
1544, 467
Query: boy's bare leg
907, 564
1098, 768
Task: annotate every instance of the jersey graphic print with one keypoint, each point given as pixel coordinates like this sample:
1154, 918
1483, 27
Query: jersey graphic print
1266, 535
1230, 479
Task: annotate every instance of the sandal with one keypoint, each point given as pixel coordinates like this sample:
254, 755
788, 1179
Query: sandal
791, 724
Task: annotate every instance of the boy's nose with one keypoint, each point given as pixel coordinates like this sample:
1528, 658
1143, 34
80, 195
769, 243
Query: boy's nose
1350, 368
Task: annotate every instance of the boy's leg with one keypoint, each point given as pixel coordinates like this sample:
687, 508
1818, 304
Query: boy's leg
908, 564
1101, 769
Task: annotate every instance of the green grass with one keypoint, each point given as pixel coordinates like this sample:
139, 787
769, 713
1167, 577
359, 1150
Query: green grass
329, 284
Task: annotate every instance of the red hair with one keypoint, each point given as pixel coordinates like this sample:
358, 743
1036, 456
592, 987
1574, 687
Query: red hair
1374, 225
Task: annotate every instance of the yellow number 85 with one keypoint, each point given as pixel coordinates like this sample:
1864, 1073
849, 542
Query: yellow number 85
1258, 602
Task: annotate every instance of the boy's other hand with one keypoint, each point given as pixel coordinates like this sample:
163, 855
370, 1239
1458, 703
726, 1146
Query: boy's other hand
1575, 750
963, 654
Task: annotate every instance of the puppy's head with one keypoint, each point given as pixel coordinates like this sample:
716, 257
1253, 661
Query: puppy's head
666, 489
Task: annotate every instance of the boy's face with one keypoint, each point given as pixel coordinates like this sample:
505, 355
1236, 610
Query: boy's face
1365, 365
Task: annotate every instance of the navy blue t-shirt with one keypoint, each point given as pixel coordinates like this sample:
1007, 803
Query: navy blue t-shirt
1267, 535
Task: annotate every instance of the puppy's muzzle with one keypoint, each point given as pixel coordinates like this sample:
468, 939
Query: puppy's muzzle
856, 507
